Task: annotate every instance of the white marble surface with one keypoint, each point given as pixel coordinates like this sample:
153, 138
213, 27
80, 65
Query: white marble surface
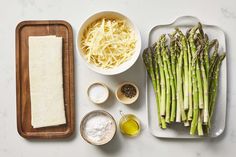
145, 14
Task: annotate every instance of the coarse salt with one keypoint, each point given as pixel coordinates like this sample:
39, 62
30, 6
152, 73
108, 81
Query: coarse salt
98, 93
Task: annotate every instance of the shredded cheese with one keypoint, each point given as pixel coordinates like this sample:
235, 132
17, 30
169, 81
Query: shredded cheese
107, 43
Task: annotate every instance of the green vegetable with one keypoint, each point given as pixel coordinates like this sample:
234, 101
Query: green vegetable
185, 78
172, 71
214, 87
149, 61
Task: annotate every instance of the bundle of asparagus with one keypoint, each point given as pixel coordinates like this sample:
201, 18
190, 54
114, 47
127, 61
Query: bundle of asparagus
185, 77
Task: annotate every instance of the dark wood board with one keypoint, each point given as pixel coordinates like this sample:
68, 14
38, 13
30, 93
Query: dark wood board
23, 105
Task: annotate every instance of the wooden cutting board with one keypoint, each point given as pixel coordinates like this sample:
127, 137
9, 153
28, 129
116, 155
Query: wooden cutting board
23, 105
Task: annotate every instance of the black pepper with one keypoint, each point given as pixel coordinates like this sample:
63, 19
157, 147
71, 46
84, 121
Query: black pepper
128, 90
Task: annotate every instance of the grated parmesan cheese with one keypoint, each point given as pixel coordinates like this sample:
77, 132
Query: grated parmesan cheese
107, 43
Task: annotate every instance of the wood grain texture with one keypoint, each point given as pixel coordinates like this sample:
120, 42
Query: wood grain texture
23, 104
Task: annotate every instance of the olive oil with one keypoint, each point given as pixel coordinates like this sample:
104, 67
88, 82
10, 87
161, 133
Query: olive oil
129, 125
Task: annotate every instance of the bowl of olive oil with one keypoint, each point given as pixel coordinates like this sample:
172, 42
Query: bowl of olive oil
129, 125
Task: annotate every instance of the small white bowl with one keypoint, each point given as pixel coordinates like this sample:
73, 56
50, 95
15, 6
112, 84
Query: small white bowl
124, 66
105, 97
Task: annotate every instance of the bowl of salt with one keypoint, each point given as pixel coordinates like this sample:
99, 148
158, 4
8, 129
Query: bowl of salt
98, 93
98, 127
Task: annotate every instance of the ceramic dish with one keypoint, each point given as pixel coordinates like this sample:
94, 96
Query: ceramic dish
91, 115
124, 66
218, 121
101, 98
122, 98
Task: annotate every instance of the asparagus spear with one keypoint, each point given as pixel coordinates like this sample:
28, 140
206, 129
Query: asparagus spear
205, 89
194, 81
200, 92
163, 80
190, 111
167, 77
172, 71
156, 70
186, 72
156, 50
215, 87
180, 87
198, 72
203, 117
178, 108
213, 63
147, 59
172, 88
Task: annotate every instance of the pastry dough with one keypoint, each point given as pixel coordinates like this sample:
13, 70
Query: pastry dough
46, 81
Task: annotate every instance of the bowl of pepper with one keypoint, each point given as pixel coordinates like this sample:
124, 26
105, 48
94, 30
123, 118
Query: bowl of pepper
127, 93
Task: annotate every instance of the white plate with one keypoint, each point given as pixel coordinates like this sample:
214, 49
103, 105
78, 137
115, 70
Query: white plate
218, 121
